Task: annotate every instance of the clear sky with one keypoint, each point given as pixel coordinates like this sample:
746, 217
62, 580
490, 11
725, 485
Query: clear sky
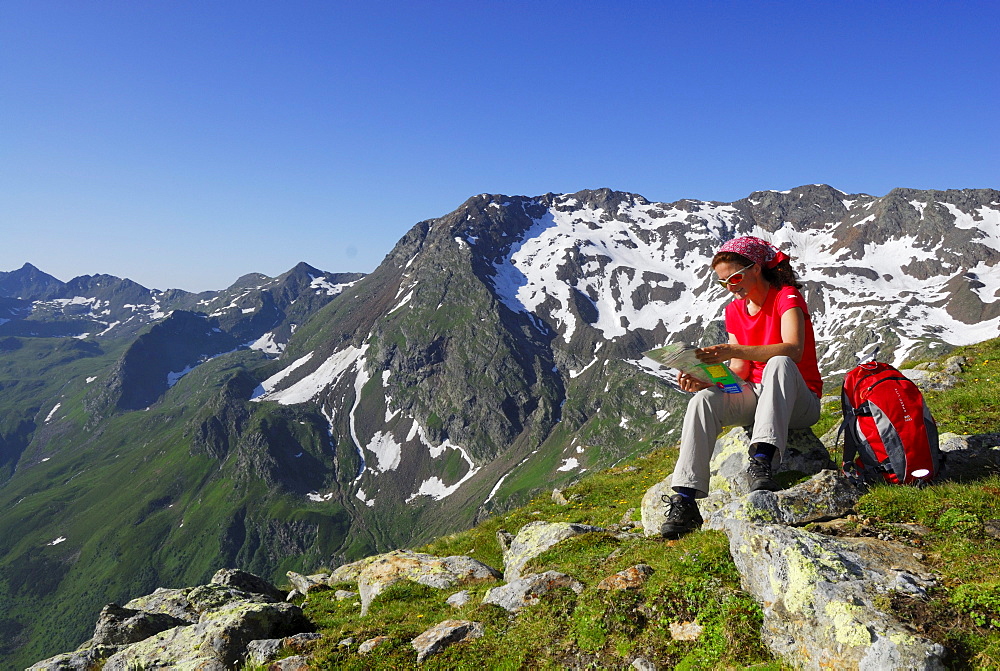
185, 143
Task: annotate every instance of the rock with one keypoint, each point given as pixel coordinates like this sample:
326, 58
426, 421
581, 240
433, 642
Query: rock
819, 597
626, 521
438, 572
685, 631
954, 365
220, 638
247, 582
825, 496
292, 595
643, 664
969, 456
992, 528
346, 642
459, 599
265, 650
372, 643
348, 572
805, 455
169, 601
293, 663
558, 498
84, 659
123, 626
535, 538
504, 539
528, 590
631, 578
304, 584
342, 594
931, 380
442, 635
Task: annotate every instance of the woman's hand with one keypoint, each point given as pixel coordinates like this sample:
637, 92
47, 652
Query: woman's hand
715, 353
690, 384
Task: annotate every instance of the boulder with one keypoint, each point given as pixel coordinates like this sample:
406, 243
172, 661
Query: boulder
442, 635
931, 380
304, 584
293, 663
820, 594
344, 594
438, 572
247, 582
169, 601
528, 590
825, 496
123, 626
218, 641
805, 455
535, 538
88, 658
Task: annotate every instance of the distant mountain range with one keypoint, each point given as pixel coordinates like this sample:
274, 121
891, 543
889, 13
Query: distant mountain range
149, 438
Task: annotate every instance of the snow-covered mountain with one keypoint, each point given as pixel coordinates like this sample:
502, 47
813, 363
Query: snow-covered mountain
568, 290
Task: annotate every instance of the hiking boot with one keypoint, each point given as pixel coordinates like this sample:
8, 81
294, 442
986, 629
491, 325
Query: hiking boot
682, 517
759, 476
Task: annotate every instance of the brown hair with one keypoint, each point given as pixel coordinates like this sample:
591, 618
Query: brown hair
781, 275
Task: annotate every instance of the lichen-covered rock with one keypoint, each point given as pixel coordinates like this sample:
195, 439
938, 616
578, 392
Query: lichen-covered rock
169, 601
528, 590
88, 658
248, 582
344, 594
819, 598
122, 626
931, 380
438, 572
293, 663
442, 635
218, 641
824, 496
535, 538
805, 455
633, 577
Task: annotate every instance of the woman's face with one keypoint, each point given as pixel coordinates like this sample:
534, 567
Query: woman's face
739, 279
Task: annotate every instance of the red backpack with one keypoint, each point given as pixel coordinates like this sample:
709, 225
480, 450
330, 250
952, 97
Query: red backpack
889, 434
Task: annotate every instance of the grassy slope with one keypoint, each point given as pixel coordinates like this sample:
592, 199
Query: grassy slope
695, 579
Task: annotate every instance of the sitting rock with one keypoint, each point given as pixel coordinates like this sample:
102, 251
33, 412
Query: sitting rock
931, 380
247, 582
438, 572
804, 455
442, 635
527, 591
122, 626
825, 496
535, 538
88, 658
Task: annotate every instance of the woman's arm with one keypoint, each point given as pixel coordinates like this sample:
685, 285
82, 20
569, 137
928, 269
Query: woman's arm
793, 337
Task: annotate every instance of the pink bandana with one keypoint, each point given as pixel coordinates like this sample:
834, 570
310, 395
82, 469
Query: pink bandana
761, 252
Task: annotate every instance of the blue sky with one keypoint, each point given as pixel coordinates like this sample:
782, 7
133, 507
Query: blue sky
183, 144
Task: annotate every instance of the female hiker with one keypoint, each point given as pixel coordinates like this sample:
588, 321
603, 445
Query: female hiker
771, 346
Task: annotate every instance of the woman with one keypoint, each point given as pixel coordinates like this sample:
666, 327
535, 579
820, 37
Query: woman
771, 346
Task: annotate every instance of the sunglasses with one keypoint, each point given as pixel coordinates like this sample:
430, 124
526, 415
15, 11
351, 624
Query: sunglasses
735, 278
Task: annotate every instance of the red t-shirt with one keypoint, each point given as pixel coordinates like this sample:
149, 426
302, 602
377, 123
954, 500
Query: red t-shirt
764, 328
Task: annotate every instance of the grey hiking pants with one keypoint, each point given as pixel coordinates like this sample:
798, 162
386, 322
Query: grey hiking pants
780, 401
